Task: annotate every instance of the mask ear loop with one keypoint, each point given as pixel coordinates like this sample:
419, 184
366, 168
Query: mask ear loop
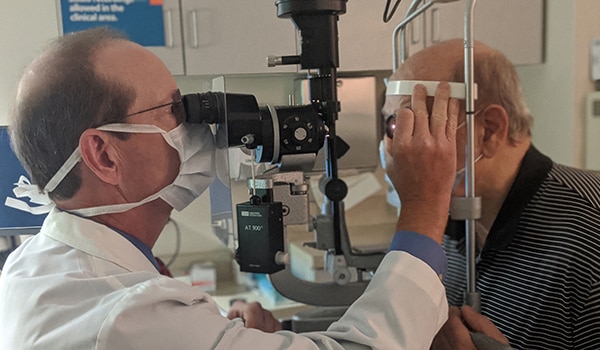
75, 157
68, 165
461, 172
465, 122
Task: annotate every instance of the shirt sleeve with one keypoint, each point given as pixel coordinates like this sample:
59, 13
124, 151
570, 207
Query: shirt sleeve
422, 247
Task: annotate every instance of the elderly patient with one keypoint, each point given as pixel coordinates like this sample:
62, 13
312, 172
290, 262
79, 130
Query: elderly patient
538, 238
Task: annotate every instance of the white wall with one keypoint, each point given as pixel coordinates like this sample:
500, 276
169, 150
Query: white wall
588, 14
556, 90
18, 46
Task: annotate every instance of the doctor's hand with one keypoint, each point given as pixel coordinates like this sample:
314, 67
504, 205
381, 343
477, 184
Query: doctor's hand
254, 316
423, 150
456, 333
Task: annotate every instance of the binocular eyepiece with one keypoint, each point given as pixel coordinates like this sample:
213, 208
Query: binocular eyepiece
272, 131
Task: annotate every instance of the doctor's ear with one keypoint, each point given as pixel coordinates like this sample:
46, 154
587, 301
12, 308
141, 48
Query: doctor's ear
495, 123
99, 155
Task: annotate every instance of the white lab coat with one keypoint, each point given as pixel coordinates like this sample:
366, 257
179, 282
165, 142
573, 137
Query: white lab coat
80, 285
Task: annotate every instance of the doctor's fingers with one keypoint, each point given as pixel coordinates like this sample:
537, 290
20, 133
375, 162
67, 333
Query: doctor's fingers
418, 105
444, 113
453, 334
255, 316
405, 124
481, 324
416, 121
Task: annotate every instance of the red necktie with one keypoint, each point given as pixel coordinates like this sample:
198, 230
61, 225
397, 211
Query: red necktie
162, 268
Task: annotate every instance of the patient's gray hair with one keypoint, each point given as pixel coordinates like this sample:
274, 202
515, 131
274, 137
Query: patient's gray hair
498, 83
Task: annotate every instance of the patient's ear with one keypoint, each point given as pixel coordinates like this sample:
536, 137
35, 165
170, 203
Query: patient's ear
495, 123
99, 155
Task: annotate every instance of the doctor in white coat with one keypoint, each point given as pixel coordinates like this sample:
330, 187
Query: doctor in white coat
98, 125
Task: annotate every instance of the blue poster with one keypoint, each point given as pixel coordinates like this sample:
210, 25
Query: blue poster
13, 221
141, 20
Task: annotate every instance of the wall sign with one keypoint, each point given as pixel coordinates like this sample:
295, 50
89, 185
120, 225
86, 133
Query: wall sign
13, 221
141, 20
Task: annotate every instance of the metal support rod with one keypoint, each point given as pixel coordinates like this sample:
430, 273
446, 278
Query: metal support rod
328, 95
472, 297
410, 15
403, 50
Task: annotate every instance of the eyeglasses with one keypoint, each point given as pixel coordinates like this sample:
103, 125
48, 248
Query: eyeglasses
177, 108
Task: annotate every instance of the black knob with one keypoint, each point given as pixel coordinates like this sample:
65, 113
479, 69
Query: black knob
336, 190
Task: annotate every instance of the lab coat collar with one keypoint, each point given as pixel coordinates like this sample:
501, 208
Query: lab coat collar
143, 247
95, 239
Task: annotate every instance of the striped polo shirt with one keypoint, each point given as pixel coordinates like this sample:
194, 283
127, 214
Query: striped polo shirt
539, 270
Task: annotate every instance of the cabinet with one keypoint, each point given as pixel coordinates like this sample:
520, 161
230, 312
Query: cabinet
212, 37
235, 37
514, 27
172, 52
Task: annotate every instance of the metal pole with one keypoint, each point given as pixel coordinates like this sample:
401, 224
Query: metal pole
410, 15
472, 297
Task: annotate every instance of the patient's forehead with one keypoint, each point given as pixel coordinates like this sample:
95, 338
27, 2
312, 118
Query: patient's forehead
392, 103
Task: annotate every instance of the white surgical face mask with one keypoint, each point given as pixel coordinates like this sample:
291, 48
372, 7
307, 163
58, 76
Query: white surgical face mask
195, 145
385, 159
460, 174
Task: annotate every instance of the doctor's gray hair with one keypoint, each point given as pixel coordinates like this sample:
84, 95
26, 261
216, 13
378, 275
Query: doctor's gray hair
60, 96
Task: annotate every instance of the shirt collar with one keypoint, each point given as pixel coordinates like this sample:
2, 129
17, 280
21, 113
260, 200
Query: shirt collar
533, 170
139, 245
